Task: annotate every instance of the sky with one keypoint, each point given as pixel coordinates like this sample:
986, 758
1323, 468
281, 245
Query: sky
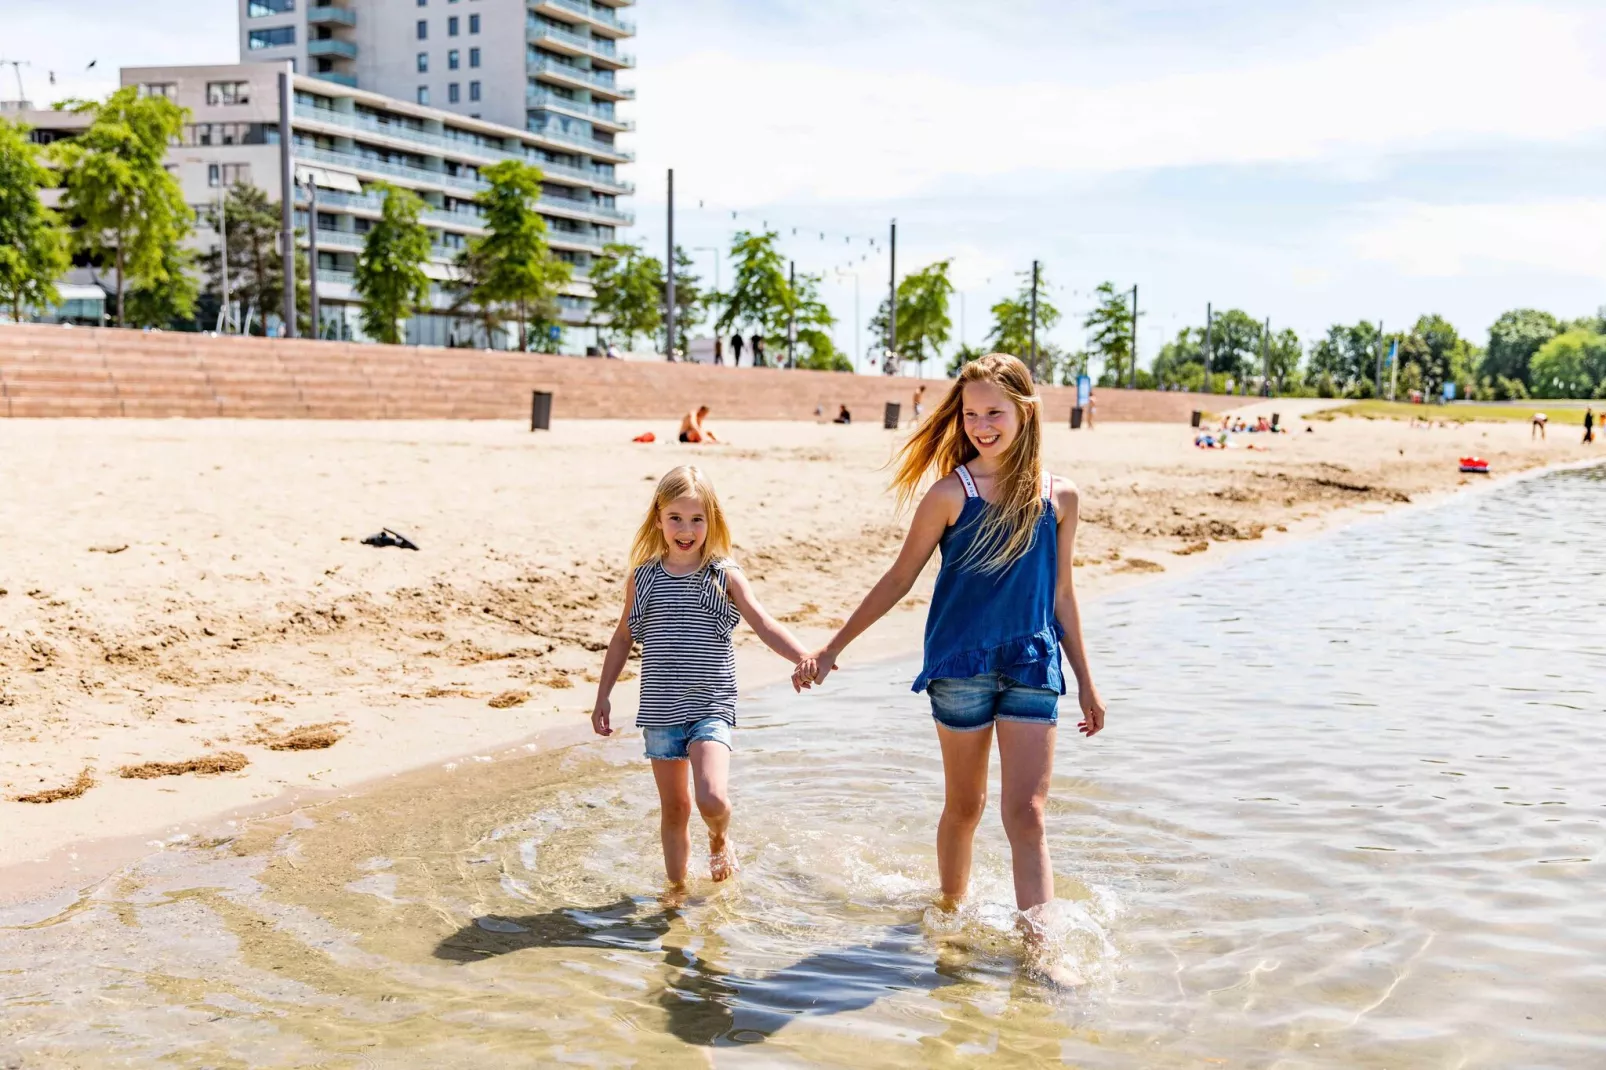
1301, 162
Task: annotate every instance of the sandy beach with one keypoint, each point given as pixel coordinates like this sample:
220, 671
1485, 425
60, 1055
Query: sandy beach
196, 593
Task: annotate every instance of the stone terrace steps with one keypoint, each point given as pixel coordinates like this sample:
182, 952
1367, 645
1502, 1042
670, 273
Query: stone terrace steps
53, 371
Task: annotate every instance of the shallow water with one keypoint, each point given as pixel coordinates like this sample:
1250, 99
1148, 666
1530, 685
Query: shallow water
1348, 812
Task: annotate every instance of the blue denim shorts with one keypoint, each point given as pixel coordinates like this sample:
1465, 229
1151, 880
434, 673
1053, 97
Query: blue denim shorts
671, 742
975, 702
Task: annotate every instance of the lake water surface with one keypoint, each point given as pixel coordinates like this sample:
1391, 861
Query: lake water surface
1350, 810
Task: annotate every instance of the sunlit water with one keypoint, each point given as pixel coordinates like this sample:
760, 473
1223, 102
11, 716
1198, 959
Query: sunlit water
1348, 812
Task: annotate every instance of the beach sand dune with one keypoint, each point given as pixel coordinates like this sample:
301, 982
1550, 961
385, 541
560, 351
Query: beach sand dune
172, 589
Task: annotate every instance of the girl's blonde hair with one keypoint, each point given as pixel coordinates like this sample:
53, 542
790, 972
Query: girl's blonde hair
687, 481
940, 445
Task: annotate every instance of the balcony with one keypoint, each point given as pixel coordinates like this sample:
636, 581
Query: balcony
329, 15
328, 46
596, 81
467, 218
596, 15
584, 143
349, 80
352, 161
541, 97
597, 49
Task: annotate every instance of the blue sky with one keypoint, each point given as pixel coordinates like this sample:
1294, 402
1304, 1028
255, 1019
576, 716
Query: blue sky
1302, 162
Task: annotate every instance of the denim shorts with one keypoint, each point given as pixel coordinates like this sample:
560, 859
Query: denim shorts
975, 702
671, 742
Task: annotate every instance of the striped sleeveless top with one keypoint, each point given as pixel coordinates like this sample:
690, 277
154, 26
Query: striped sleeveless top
688, 663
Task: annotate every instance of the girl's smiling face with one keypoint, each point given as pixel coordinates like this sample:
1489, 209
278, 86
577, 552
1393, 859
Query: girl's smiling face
991, 419
684, 523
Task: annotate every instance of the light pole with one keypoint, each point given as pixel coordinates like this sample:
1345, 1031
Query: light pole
287, 205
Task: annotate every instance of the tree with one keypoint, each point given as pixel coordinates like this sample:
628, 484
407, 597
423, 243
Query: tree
814, 322
171, 302
33, 244
690, 301
962, 356
115, 185
1110, 323
1513, 340
1012, 326
1347, 355
510, 266
390, 275
1570, 365
1283, 351
760, 294
256, 268
923, 321
627, 286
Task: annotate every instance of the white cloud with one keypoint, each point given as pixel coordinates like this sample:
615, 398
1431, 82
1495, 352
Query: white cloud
808, 129
1564, 237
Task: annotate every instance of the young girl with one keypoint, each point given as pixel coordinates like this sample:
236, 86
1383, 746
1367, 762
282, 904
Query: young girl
683, 598
1002, 608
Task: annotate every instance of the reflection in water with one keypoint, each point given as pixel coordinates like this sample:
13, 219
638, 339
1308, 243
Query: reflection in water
1349, 812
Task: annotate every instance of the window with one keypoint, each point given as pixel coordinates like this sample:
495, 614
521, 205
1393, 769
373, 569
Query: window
473, 57
421, 3
159, 89
451, 60
228, 174
473, 91
451, 26
228, 93
423, 94
451, 93
423, 29
257, 9
423, 63
473, 24
277, 37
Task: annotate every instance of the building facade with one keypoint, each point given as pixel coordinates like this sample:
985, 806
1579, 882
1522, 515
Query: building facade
346, 140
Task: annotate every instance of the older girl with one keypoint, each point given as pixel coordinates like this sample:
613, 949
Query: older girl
1002, 609
683, 599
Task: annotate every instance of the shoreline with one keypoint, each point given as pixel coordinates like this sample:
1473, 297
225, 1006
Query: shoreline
78, 863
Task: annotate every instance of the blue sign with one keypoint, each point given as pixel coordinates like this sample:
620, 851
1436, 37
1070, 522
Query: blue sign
1394, 350
1084, 390
1449, 391
554, 332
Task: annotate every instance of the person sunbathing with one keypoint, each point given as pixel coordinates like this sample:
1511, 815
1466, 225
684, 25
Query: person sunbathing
693, 429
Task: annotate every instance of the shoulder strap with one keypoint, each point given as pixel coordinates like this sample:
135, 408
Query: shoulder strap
1048, 486
970, 484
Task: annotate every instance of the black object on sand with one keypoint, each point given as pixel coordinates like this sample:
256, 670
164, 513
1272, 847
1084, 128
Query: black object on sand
386, 537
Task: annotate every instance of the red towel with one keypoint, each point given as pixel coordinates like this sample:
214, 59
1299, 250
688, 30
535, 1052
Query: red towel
647, 437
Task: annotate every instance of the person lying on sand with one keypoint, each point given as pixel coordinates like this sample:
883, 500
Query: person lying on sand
693, 429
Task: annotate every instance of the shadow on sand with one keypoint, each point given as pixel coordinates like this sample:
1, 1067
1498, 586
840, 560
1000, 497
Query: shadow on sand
707, 1005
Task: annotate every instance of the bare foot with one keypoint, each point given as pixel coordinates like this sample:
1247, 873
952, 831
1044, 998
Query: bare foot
673, 897
721, 859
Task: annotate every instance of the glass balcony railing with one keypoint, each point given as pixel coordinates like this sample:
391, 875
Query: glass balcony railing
329, 15
597, 47
466, 217
583, 142
331, 48
596, 81
596, 13
457, 147
337, 78
597, 112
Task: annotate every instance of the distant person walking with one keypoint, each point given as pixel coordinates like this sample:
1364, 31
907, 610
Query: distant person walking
1589, 426
1091, 405
1538, 428
758, 350
719, 350
736, 351
920, 393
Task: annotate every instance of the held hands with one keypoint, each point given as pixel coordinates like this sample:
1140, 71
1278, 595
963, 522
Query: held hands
813, 669
1092, 710
599, 717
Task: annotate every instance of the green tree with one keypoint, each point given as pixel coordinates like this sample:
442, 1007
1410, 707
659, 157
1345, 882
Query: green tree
128, 206
1570, 365
1180, 362
961, 356
691, 303
33, 244
1435, 347
510, 266
1347, 355
1110, 325
390, 275
1283, 351
760, 295
256, 268
169, 304
814, 322
1513, 340
923, 321
627, 286
1012, 326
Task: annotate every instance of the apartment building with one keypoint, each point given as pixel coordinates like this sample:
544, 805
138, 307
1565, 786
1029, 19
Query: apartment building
345, 140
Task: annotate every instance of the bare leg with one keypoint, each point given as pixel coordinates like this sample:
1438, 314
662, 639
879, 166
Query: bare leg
710, 771
964, 773
674, 805
1026, 764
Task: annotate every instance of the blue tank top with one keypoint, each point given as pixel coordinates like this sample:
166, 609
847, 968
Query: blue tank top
1001, 622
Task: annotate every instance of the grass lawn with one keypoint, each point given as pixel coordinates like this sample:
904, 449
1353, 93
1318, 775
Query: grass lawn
1559, 412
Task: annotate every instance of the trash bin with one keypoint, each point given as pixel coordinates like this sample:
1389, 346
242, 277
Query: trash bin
1076, 417
1274, 419
1197, 417
890, 420
540, 410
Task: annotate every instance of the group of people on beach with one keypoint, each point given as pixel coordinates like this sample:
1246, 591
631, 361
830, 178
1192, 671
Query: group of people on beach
1003, 609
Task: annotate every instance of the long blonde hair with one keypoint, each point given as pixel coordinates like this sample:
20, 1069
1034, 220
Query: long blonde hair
940, 445
687, 481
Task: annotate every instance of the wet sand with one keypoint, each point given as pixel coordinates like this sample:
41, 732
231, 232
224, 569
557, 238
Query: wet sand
178, 591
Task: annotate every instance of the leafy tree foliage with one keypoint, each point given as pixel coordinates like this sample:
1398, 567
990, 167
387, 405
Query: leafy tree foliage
1513, 340
256, 267
390, 270
1012, 320
923, 322
126, 203
33, 244
628, 285
170, 303
760, 295
1110, 326
510, 267
1570, 365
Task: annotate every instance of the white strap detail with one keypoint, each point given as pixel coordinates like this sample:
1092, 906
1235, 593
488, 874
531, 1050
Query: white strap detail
1048, 486
970, 484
